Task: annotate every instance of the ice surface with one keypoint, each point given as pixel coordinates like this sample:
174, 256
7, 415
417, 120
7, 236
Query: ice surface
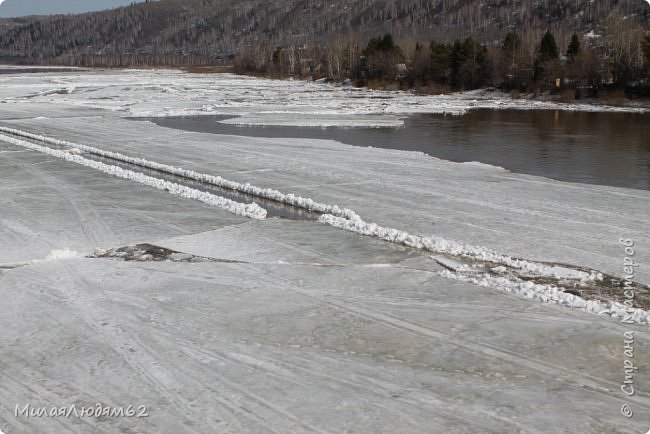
312, 328
295, 345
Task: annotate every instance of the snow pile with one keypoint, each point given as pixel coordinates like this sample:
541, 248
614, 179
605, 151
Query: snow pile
251, 210
57, 255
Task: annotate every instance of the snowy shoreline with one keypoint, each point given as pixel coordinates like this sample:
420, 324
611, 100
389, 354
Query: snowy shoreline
546, 102
275, 102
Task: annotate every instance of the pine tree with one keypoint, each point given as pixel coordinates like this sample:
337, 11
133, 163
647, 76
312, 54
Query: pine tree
574, 49
548, 48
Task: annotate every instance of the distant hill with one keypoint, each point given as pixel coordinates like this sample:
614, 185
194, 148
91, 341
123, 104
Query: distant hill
213, 30
21, 8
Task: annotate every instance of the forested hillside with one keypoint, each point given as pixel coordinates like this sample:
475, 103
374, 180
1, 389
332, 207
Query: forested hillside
217, 28
294, 37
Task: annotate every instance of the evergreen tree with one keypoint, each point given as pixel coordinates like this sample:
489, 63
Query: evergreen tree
441, 62
382, 56
574, 49
470, 66
548, 48
385, 45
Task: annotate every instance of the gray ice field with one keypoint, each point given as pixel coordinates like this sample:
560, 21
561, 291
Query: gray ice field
227, 324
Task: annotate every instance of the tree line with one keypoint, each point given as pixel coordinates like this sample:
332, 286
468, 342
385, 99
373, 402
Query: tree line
586, 66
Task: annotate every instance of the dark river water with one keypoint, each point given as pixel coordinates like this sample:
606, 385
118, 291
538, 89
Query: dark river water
594, 148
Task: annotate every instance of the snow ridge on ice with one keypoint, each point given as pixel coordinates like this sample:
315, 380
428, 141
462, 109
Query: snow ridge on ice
266, 193
251, 210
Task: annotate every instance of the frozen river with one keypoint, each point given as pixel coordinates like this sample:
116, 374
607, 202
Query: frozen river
263, 283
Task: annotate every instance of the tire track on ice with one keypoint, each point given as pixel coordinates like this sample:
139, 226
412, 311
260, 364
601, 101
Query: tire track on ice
38, 393
160, 378
262, 402
549, 370
88, 218
119, 344
76, 300
38, 397
191, 351
286, 372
